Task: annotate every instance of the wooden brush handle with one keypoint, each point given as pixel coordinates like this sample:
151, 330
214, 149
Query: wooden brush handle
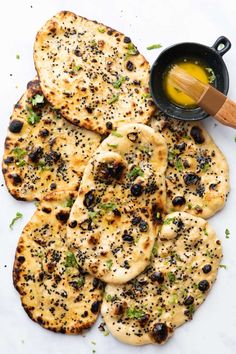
227, 113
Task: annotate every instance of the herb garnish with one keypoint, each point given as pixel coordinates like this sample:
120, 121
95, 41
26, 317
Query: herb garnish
135, 313
113, 99
19, 153
179, 165
132, 50
18, 56
71, 260
108, 206
144, 96
101, 30
227, 233
77, 68
80, 282
115, 133
135, 172
69, 202
211, 76
37, 99
154, 46
112, 145
32, 118
171, 276
17, 217
223, 266
117, 84
109, 264
155, 249
168, 221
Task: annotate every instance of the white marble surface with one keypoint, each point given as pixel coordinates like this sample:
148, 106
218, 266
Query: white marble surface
213, 328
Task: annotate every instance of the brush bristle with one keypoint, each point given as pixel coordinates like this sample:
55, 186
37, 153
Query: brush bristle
188, 84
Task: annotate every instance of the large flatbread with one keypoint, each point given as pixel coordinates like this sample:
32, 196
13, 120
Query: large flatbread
197, 175
55, 292
43, 152
93, 74
183, 269
115, 219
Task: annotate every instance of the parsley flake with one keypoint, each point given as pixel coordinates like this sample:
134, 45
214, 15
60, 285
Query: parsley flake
134, 313
154, 46
109, 264
227, 233
171, 277
37, 99
17, 217
135, 172
115, 133
32, 118
112, 145
117, 84
71, 260
113, 99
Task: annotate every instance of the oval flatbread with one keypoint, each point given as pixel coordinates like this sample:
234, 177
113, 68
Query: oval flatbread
93, 74
184, 266
43, 152
115, 219
197, 175
55, 292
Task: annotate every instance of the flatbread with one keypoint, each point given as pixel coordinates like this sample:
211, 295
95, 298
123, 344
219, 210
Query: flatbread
55, 292
197, 176
115, 219
93, 74
182, 271
43, 152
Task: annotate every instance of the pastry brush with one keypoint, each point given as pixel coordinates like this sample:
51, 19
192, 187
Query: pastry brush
207, 97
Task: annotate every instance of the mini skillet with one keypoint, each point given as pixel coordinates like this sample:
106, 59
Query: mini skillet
212, 56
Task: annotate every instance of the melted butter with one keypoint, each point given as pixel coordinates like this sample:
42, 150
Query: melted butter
193, 67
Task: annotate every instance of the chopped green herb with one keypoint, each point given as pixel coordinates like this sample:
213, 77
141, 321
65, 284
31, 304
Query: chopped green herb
113, 99
155, 249
205, 167
135, 313
108, 297
154, 46
189, 206
42, 165
112, 145
171, 277
106, 333
93, 43
174, 299
144, 148
117, 84
108, 206
227, 233
17, 56
92, 214
132, 50
77, 68
101, 30
187, 137
135, 172
69, 202
20, 163
115, 133
205, 232
191, 309
223, 266
32, 118
17, 217
179, 165
80, 282
159, 311
195, 286
71, 260
19, 153
37, 99
172, 154
145, 96
168, 221
36, 204
211, 76
210, 253
109, 264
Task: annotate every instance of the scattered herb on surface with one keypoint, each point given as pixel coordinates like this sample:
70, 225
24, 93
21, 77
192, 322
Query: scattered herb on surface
113, 99
71, 260
32, 118
109, 264
227, 233
37, 99
77, 68
101, 30
17, 217
154, 46
135, 313
223, 266
179, 165
69, 202
145, 96
112, 145
135, 172
117, 84
168, 221
17, 56
115, 133
171, 277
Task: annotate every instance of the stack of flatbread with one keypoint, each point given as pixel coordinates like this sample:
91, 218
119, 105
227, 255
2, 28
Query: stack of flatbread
124, 192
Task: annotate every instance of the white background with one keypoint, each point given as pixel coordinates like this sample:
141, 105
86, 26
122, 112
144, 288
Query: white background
213, 329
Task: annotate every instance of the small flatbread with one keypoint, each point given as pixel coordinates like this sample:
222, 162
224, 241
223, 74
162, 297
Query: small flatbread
93, 74
197, 175
43, 152
54, 291
183, 269
115, 219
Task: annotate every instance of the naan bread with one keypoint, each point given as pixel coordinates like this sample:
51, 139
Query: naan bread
93, 74
54, 291
197, 176
43, 152
183, 269
115, 219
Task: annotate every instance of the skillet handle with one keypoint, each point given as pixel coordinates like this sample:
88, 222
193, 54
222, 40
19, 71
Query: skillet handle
222, 41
